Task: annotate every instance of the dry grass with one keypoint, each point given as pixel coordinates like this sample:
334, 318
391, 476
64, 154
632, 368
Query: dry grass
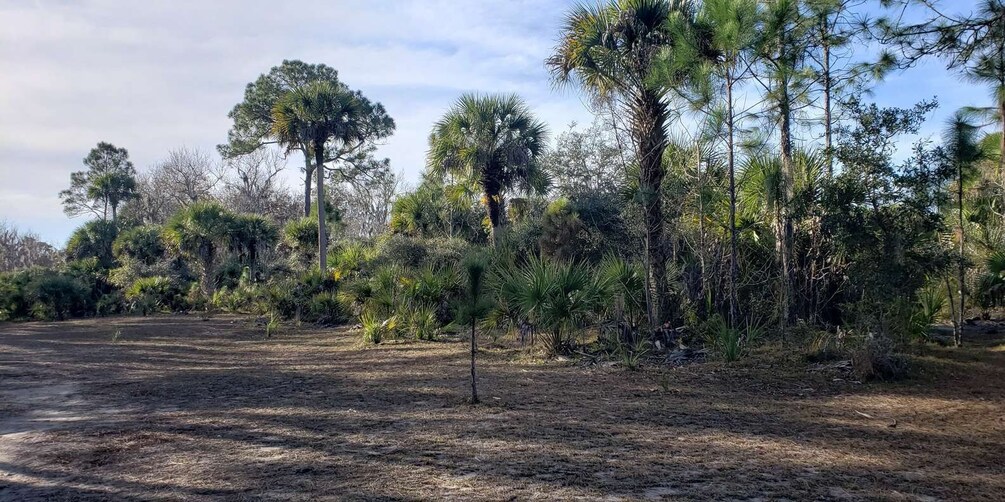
179, 408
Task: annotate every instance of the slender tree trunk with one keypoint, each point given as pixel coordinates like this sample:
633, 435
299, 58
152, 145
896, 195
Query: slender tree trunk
308, 171
785, 131
731, 163
701, 222
961, 272
474, 377
115, 212
319, 164
957, 326
104, 212
828, 118
1001, 139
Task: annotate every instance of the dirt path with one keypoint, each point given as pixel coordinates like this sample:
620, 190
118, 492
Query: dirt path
179, 408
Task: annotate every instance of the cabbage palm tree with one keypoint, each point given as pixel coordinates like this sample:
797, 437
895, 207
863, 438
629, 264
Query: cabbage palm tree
492, 140
315, 115
198, 232
113, 188
250, 235
609, 51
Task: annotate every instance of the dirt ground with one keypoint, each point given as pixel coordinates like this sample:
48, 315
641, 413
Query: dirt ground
177, 408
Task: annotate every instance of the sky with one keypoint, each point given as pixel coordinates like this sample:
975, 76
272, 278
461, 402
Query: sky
156, 75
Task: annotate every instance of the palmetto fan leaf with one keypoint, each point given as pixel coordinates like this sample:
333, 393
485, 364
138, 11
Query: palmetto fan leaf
493, 141
317, 112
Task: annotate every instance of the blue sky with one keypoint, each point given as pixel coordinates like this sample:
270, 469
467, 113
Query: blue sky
156, 75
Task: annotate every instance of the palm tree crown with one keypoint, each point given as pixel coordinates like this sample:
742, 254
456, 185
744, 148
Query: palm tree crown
494, 141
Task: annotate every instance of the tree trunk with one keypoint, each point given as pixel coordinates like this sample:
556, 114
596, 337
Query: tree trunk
474, 378
650, 115
785, 136
1001, 139
731, 163
114, 212
828, 118
961, 272
319, 169
493, 203
957, 326
208, 284
308, 171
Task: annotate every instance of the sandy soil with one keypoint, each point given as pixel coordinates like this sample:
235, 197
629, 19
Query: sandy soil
180, 408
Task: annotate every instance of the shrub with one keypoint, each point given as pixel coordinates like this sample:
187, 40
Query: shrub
153, 294
375, 328
143, 244
558, 297
404, 251
93, 240
111, 303
300, 237
876, 358
54, 295
326, 309
729, 342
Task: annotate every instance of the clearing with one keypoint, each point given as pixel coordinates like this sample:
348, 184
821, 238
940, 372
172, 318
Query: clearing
174, 407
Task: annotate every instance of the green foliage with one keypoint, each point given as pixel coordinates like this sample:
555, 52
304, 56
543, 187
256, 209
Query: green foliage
473, 304
111, 303
199, 232
94, 239
930, 304
56, 296
559, 298
143, 244
326, 308
729, 342
300, 236
991, 285
877, 358
493, 141
109, 180
154, 294
561, 231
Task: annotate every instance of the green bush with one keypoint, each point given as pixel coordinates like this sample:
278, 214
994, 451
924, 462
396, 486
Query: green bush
54, 295
143, 244
729, 342
404, 251
153, 294
111, 303
327, 309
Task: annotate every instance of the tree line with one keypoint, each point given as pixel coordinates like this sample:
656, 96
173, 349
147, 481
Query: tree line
736, 184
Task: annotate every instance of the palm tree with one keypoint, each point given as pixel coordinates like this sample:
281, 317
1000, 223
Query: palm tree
198, 232
250, 235
474, 307
493, 140
112, 189
253, 124
609, 50
960, 142
315, 115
